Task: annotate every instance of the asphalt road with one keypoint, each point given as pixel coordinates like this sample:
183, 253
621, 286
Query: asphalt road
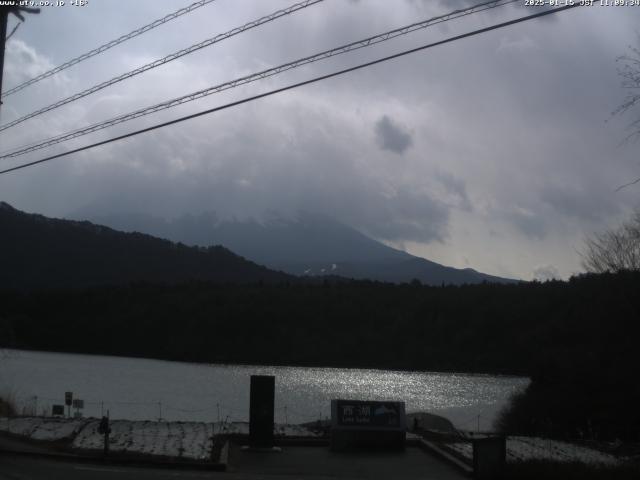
317, 463
292, 463
32, 468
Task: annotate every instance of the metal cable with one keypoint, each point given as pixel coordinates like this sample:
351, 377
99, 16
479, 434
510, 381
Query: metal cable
169, 58
107, 46
295, 85
383, 37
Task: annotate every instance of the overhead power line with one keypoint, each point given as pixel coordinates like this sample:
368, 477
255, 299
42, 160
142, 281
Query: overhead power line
295, 85
169, 58
383, 37
108, 45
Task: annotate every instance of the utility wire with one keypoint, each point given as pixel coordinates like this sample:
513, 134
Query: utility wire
107, 46
169, 58
295, 85
25, 145
383, 37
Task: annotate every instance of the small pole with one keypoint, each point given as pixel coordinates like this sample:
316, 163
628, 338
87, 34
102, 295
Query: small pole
4, 16
105, 429
106, 436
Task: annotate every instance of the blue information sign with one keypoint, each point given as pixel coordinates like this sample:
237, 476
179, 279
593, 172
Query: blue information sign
369, 414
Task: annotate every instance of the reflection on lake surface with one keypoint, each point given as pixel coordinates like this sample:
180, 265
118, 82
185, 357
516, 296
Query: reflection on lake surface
135, 388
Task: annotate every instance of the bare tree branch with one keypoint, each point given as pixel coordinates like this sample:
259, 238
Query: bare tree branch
637, 180
614, 250
12, 32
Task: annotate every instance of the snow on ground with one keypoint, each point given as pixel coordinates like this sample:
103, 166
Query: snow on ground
463, 448
534, 448
191, 440
172, 439
39, 428
279, 430
523, 448
286, 430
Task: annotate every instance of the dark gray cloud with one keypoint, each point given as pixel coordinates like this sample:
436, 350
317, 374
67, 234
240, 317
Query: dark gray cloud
408, 216
590, 203
457, 188
391, 136
164, 177
529, 223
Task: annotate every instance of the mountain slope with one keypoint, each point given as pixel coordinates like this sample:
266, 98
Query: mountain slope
40, 252
308, 245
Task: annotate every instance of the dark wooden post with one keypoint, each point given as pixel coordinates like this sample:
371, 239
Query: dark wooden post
261, 411
4, 17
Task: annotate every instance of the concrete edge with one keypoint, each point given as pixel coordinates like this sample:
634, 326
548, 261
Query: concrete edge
114, 460
302, 442
436, 450
413, 442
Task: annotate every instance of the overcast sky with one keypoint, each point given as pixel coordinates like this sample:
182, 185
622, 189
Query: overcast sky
496, 152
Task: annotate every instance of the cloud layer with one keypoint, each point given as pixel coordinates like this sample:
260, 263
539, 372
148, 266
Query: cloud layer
492, 152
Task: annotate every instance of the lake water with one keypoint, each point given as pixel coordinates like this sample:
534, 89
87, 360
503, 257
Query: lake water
132, 388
